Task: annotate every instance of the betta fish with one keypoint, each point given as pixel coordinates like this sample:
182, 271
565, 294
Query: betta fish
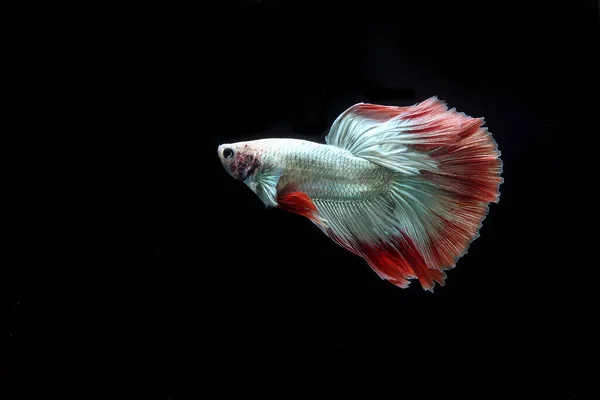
405, 188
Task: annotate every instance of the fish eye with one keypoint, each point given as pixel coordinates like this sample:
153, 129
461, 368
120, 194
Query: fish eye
228, 153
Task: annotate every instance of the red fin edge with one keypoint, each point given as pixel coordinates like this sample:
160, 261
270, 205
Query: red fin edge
397, 261
430, 107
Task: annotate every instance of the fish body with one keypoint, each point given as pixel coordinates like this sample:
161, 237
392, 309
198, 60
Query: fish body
406, 188
322, 171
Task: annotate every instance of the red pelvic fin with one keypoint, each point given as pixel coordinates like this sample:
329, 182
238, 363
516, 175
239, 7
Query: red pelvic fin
299, 203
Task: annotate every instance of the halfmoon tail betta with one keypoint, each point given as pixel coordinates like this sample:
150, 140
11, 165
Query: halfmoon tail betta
406, 188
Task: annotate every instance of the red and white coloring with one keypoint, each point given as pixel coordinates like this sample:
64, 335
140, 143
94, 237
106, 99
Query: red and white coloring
405, 188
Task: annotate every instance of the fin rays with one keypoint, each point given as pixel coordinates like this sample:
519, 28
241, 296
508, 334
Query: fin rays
448, 169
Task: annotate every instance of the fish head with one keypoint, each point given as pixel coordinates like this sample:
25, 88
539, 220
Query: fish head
240, 160
255, 164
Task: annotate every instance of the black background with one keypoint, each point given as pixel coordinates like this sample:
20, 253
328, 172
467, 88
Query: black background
140, 269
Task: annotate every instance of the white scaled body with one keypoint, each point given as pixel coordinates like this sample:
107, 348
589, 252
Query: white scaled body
325, 173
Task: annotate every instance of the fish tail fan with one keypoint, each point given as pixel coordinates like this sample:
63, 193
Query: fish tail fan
446, 169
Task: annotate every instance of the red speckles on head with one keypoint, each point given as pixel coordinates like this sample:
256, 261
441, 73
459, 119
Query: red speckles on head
244, 164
